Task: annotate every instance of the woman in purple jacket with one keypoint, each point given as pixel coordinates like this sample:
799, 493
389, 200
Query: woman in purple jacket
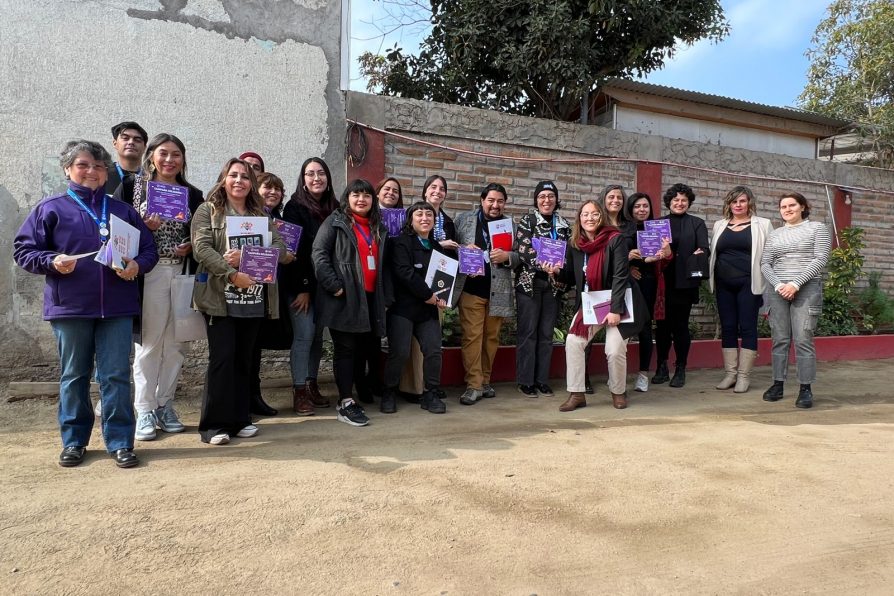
90, 307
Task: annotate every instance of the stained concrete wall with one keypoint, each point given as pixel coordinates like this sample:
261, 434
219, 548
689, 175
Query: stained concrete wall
225, 76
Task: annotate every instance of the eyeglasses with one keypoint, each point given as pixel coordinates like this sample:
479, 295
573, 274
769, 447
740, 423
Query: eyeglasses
86, 167
318, 174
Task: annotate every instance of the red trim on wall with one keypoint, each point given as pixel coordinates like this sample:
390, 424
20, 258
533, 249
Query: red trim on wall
702, 354
648, 180
373, 166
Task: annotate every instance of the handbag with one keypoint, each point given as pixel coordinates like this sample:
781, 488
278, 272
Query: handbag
189, 324
697, 266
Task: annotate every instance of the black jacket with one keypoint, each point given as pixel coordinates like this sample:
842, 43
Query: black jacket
302, 278
692, 236
615, 275
336, 262
405, 287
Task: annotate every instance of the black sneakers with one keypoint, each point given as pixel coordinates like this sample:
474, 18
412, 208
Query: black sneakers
774, 393
527, 390
350, 413
431, 401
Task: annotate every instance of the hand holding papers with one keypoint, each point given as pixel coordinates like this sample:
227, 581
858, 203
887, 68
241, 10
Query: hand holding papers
248, 231
471, 261
597, 304
661, 226
648, 243
500, 231
124, 241
393, 220
290, 233
549, 252
168, 201
441, 276
259, 263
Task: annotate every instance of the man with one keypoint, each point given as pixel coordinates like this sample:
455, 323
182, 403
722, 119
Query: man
254, 160
129, 140
485, 300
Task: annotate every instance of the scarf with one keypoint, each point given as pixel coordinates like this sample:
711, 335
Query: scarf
439, 234
595, 251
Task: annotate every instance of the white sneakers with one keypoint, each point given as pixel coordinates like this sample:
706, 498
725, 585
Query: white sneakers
249, 431
145, 426
221, 439
642, 382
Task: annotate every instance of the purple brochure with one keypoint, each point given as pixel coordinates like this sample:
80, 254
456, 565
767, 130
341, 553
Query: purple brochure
290, 234
648, 243
471, 261
393, 220
551, 252
169, 201
662, 226
259, 263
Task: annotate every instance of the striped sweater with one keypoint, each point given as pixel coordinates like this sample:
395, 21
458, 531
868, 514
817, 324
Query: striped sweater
796, 254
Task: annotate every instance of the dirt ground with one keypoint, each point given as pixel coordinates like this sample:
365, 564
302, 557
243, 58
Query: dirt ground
689, 491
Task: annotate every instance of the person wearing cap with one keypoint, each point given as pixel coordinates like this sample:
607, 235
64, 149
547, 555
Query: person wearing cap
484, 300
129, 140
538, 291
254, 160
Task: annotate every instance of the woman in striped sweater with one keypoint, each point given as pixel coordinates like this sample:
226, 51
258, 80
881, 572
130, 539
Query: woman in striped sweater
793, 262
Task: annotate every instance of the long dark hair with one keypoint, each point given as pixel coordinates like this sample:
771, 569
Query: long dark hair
400, 191
327, 203
151, 146
622, 216
217, 196
375, 216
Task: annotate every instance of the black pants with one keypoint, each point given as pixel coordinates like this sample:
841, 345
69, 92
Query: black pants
534, 333
400, 333
737, 308
225, 404
349, 360
648, 286
674, 328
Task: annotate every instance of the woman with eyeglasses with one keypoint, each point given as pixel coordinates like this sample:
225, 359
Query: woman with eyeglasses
90, 306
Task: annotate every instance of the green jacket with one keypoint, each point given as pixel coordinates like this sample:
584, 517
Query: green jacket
208, 232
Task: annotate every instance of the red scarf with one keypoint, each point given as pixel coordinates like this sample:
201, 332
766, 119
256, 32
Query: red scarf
595, 251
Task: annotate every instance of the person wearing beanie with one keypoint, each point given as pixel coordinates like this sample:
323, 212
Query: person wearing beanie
254, 160
538, 291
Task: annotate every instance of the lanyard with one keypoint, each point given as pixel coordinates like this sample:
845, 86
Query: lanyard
586, 285
121, 172
366, 238
552, 228
484, 231
102, 223
425, 242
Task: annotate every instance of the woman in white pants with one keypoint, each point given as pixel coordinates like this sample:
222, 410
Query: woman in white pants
158, 356
597, 260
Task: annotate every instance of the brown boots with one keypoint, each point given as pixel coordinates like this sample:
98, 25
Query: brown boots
301, 401
574, 401
313, 390
619, 401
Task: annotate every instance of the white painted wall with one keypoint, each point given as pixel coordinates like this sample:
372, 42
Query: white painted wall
725, 135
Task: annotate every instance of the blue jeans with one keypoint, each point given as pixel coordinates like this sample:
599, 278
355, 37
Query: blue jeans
307, 346
109, 342
796, 321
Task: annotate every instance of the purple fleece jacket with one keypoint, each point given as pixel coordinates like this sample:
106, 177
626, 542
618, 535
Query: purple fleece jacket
58, 225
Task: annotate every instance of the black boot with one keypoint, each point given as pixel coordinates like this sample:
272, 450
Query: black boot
805, 397
260, 408
774, 393
432, 402
661, 373
388, 403
679, 376
588, 386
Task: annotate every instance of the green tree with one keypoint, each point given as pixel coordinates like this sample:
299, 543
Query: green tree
539, 57
851, 73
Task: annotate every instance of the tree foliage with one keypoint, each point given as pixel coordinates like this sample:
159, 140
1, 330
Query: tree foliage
539, 57
851, 73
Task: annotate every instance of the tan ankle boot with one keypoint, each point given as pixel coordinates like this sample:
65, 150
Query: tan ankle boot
574, 401
730, 360
746, 363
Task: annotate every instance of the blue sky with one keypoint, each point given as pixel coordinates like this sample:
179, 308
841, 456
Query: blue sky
762, 60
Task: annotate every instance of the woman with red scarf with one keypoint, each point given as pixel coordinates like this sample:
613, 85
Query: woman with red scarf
598, 261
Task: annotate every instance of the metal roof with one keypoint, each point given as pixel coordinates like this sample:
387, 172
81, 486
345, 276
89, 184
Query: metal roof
721, 101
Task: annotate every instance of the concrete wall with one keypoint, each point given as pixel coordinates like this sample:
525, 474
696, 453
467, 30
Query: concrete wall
225, 76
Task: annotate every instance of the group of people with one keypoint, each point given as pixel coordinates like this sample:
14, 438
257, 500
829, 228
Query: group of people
352, 276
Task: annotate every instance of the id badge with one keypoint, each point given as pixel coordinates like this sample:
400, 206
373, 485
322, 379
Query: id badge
371, 262
486, 256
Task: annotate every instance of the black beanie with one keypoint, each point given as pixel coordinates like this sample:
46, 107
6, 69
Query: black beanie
545, 185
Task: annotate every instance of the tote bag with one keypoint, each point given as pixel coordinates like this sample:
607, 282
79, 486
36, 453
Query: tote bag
189, 324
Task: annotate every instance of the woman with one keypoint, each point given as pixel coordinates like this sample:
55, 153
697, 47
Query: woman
598, 261
347, 257
274, 334
413, 309
158, 356
232, 303
737, 245
389, 194
89, 306
311, 203
538, 293
793, 262
613, 199
644, 272
682, 275
434, 192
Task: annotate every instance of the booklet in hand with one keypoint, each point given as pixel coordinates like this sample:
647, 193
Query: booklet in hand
168, 201
500, 231
441, 276
124, 241
290, 234
471, 261
260, 263
662, 226
550, 252
648, 243
393, 219
597, 304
